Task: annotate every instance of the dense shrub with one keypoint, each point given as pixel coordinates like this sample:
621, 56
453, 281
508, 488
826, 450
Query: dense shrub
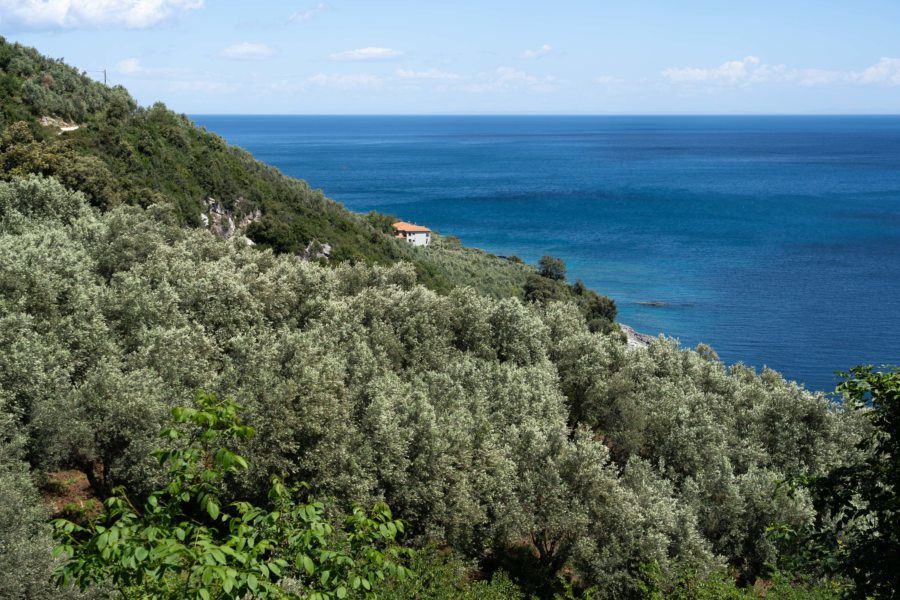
187, 542
552, 268
48, 87
25, 537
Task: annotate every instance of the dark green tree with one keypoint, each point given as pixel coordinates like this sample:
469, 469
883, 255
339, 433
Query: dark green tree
599, 311
552, 268
541, 289
863, 496
380, 221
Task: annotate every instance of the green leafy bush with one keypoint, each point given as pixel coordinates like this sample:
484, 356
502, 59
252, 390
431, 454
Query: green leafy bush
187, 542
857, 536
442, 576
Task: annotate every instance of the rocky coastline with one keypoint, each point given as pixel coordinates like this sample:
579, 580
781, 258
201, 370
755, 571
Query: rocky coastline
635, 338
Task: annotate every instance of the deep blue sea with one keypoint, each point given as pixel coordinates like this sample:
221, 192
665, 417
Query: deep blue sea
776, 240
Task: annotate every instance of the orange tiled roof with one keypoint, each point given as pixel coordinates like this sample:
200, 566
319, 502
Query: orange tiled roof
409, 227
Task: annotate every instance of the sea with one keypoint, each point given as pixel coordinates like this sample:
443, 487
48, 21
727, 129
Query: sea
773, 239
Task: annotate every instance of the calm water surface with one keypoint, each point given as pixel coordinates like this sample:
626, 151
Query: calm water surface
774, 239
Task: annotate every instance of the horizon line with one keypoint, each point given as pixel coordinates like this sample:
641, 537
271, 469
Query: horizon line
540, 114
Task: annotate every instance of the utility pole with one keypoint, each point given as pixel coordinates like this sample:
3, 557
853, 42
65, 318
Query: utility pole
104, 76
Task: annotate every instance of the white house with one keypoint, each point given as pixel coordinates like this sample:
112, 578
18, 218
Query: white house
414, 234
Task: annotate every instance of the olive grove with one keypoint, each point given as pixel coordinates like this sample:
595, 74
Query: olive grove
489, 425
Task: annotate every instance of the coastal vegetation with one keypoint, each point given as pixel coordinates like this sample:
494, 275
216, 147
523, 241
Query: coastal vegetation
388, 422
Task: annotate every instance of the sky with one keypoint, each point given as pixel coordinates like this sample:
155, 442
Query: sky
479, 57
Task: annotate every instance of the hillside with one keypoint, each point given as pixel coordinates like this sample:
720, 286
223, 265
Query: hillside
123, 154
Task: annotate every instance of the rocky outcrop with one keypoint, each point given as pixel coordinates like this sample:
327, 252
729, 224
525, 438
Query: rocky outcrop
233, 224
634, 338
314, 251
60, 124
228, 224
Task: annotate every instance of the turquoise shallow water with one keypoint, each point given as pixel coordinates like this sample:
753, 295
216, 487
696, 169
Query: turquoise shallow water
774, 239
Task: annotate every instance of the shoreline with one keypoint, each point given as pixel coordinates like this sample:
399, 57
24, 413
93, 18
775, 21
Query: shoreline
634, 338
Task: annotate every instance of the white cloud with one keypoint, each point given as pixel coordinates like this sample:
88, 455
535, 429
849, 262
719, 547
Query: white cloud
542, 51
173, 79
308, 13
129, 66
347, 82
814, 77
429, 74
510, 75
70, 14
751, 70
133, 67
733, 71
507, 76
248, 51
370, 53
510, 78
886, 70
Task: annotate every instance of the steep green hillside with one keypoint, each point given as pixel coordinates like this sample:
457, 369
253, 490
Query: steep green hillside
147, 156
125, 154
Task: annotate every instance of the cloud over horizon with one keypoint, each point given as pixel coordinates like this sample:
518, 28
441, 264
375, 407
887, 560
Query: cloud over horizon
752, 70
368, 53
347, 82
436, 58
539, 52
73, 14
427, 74
504, 78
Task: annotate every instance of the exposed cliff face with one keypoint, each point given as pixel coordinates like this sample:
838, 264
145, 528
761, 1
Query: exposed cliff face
315, 250
60, 124
230, 223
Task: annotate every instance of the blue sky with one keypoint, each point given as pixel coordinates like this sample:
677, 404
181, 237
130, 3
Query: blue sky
565, 56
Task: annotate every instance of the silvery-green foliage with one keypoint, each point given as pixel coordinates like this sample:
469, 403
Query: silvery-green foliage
485, 423
709, 430
517, 332
30, 201
25, 537
25, 542
470, 324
